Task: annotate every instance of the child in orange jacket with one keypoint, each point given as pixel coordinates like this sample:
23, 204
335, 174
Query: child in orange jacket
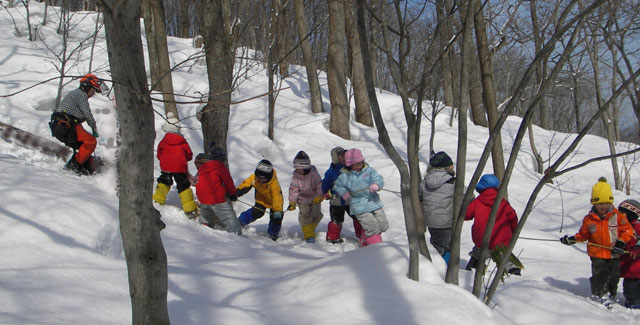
607, 231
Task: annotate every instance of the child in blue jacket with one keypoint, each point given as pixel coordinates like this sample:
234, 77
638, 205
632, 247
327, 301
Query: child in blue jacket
337, 205
360, 183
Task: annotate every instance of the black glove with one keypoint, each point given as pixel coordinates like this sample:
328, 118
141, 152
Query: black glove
568, 240
233, 198
619, 247
242, 191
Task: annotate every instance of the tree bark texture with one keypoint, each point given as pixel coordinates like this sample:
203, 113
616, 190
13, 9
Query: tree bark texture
159, 64
220, 59
140, 223
340, 113
444, 36
363, 108
307, 55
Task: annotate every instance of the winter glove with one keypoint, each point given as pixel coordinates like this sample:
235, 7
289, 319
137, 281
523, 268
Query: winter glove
619, 247
95, 133
568, 240
292, 206
242, 191
233, 197
374, 188
192, 179
277, 215
634, 252
346, 196
327, 196
318, 199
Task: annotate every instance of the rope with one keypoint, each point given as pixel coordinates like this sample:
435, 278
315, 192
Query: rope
589, 244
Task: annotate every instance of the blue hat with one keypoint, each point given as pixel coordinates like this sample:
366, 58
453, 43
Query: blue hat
487, 181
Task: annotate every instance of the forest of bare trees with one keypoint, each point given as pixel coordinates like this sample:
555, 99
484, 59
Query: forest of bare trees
568, 66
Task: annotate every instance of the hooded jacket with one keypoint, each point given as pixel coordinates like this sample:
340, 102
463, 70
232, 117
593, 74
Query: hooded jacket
506, 219
357, 184
436, 192
604, 231
174, 153
304, 188
330, 177
214, 182
267, 194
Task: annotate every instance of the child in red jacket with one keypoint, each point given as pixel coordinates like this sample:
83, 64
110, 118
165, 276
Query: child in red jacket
174, 153
479, 210
630, 263
214, 185
607, 232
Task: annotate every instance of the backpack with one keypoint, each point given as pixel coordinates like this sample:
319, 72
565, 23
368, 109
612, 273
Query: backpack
63, 128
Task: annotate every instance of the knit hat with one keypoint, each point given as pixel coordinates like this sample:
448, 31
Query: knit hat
172, 124
217, 153
440, 159
201, 158
264, 170
353, 156
601, 192
301, 161
631, 208
335, 152
487, 181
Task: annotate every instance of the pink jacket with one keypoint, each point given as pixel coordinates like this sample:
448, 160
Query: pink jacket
304, 188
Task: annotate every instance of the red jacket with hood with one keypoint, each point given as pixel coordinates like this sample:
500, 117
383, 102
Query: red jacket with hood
174, 153
506, 219
214, 182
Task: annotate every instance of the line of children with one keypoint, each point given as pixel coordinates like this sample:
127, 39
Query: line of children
305, 192
360, 183
268, 195
174, 153
505, 223
436, 194
337, 205
607, 233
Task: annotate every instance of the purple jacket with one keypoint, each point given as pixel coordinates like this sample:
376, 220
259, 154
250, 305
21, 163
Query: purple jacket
304, 188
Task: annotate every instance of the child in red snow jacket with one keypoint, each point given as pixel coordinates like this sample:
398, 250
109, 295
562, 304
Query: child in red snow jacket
305, 191
214, 185
630, 263
607, 231
479, 210
174, 153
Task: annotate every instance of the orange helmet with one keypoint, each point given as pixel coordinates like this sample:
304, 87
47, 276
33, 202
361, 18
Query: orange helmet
91, 81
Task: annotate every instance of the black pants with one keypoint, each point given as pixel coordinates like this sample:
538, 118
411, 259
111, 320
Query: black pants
337, 212
605, 274
631, 291
182, 181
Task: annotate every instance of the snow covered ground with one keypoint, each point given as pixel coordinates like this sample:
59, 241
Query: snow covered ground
61, 254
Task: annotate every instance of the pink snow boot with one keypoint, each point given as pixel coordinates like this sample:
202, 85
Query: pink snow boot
375, 239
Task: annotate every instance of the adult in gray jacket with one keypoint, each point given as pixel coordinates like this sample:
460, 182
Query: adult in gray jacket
436, 195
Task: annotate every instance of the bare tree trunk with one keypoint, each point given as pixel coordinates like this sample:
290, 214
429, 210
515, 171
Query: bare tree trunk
489, 93
184, 19
307, 55
153, 12
282, 27
340, 113
475, 98
140, 223
220, 58
363, 108
444, 36
454, 262
540, 74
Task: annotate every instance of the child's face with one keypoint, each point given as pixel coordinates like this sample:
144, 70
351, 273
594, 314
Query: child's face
602, 208
261, 180
299, 171
357, 166
341, 159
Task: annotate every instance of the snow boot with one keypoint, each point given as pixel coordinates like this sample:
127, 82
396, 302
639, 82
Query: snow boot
189, 205
375, 239
357, 228
310, 240
309, 231
514, 271
75, 167
333, 232
161, 192
273, 230
246, 217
